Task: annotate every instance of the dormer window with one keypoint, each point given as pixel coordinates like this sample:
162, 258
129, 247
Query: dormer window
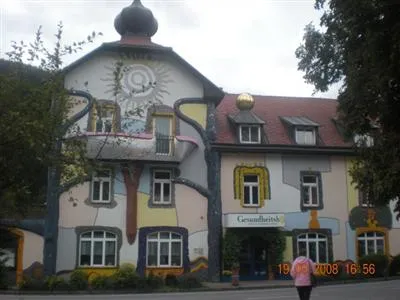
363, 140
305, 135
250, 134
302, 130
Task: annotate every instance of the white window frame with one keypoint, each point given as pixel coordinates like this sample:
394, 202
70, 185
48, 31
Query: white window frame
310, 186
363, 140
363, 237
305, 141
251, 185
169, 138
162, 182
249, 127
159, 240
101, 180
304, 237
104, 120
364, 202
92, 241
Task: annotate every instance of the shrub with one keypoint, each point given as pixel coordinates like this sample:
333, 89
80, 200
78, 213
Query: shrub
102, 282
78, 280
32, 284
56, 283
379, 262
394, 268
3, 275
189, 282
125, 277
171, 280
154, 282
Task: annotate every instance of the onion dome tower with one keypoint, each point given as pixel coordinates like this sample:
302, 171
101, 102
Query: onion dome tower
136, 20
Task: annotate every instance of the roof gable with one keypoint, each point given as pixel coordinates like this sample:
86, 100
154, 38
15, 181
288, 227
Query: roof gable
211, 91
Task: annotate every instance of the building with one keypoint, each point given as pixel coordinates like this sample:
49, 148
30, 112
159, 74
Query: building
173, 178
285, 163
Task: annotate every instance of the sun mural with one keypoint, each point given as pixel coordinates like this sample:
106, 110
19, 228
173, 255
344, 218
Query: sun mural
144, 82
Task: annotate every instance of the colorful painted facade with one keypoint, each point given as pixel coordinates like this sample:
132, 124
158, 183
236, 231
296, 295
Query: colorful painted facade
285, 159
195, 162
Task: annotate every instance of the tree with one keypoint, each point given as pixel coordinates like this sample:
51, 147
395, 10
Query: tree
358, 45
28, 130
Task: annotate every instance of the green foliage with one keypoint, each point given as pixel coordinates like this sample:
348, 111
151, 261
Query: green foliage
33, 107
379, 261
78, 280
189, 281
102, 282
171, 280
33, 284
394, 267
357, 46
231, 249
125, 278
154, 282
56, 283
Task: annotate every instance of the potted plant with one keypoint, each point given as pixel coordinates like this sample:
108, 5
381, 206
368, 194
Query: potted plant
231, 252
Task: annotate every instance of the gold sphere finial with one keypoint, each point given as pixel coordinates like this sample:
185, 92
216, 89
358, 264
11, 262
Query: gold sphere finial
245, 101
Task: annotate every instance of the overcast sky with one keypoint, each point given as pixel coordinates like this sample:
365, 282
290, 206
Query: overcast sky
241, 46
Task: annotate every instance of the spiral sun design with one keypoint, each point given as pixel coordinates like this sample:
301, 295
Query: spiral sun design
144, 82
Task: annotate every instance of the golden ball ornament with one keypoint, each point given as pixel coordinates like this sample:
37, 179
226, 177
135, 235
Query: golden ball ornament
245, 101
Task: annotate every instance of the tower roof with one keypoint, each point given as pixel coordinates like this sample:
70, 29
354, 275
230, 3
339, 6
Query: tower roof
136, 20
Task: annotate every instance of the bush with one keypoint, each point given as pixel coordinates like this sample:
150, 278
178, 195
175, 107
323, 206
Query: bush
125, 277
394, 268
171, 280
56, 283
379, 262
189, 282
154, 282
3, 275
78, 280
32, 284
102, 282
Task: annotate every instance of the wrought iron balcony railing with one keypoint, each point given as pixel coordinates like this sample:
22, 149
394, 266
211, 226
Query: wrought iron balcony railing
164, 144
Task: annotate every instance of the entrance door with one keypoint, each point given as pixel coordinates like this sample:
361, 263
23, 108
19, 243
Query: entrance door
253, 259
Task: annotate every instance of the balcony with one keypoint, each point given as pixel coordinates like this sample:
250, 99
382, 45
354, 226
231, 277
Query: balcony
120, 146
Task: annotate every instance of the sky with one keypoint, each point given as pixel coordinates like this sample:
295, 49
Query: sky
242, 46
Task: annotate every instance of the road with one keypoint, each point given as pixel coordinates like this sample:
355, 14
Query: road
386, 290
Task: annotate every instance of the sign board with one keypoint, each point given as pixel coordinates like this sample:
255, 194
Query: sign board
254, 220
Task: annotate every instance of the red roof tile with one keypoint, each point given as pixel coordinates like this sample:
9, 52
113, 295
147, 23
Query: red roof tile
271, 108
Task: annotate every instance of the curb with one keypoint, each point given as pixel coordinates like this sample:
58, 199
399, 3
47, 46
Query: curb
195, 290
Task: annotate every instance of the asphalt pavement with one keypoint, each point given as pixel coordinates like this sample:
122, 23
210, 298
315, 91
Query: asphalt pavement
385, 290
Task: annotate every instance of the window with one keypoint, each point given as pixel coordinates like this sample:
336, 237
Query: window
315, 245
104, 120
305, 136
97, 248
363, 140
251, 190
101, 186
250, 134
162, 187
364, 199
371, 243
164, 249
309, 190
163, 133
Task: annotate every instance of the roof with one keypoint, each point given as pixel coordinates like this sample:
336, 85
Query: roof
211, 91
246, 117
299, 121
274, 111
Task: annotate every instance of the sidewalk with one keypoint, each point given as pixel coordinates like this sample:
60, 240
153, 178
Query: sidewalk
247, 285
